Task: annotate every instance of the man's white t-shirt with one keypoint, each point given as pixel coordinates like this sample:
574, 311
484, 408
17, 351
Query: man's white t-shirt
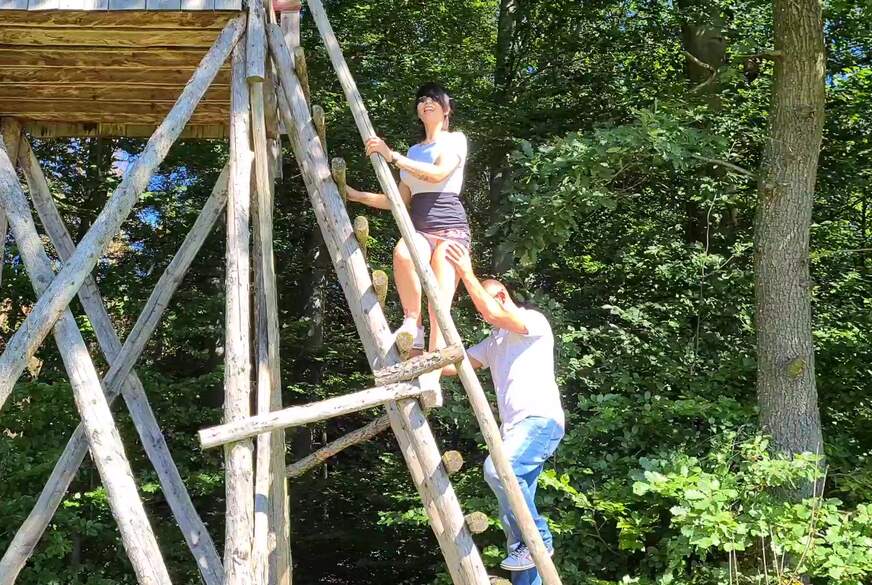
522, 367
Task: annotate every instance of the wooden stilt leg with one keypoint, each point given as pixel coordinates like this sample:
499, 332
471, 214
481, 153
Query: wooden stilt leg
11, 132
192, 527
107, 450
60, 292
370, 321
28, 535
237, 370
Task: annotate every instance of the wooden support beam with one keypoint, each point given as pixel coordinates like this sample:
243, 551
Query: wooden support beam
417, 366
360, 435
25, 540
302, 72
98, 58
271, 545
193, 529
416, 442
10, 130
453, 461
309, 413
50, 306
477, 398
380, 283
134, 37
72, 18
107, 449
239, 483
91, 77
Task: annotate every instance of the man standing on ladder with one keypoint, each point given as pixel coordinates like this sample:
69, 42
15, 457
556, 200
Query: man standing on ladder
520, 354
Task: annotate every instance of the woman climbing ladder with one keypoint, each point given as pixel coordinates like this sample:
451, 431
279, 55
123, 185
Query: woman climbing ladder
431, 178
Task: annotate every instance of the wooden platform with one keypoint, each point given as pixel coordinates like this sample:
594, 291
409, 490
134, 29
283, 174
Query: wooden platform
109, 71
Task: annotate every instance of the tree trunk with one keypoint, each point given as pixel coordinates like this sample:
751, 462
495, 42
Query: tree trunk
785, 355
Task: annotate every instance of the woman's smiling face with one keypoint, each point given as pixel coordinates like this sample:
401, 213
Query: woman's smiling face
430, 111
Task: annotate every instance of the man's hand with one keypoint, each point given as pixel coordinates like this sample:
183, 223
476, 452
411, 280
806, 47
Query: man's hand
459, 258
377, 145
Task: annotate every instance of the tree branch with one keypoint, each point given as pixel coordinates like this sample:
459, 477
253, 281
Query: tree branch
723, 163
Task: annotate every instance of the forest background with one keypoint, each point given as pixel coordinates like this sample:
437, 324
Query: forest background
612, 180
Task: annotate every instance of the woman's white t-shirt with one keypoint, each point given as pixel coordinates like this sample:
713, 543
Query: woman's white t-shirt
447, 144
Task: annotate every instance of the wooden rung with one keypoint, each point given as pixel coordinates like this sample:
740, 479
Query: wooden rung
302, 71
320, 125
453, 461
361, 232
477, 522
338, 170
300, 415
427, 362
404, 342
380, 284
499, 581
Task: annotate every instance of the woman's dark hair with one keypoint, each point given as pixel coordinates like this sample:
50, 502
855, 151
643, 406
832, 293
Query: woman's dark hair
438, 94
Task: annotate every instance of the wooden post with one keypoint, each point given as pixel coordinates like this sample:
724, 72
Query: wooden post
453, 461
192, 527
30, 532
23, 344
302, 72
416, 442
362, 434
477, 399
380, 283
107, 449
271, 547
477, 522
237, 387
361, 232
11, 132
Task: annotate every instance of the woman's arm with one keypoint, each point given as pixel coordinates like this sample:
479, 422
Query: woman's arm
432, 173
378, 200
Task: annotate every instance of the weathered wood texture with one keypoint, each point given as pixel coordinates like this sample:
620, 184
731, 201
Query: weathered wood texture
27, 537
237, 367
83, 64
106, 447
453, 461
192, 527
11, 132
786, 387
50, 306
477, 522
309, 413
416, 441
63, 129
475, 392
362, 434
422, 364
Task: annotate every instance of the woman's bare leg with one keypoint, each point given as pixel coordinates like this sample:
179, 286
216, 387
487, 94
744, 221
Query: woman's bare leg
408, 283
447, 280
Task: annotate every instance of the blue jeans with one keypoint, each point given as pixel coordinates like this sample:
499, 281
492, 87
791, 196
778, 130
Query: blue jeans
528, 445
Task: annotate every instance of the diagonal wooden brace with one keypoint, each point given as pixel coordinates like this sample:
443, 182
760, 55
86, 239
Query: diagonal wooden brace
107, 449
57, 296
192, 527
37, 521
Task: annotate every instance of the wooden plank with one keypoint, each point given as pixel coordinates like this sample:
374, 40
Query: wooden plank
419, 450
107, 450
93, 18
23, 344
25, 57
125, 94
77, 110
44, 129
88, 77
173, 488
422, 364
474, 391
295, 416
114, 37
239, 483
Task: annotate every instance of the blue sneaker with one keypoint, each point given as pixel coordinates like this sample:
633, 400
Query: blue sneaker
520, 559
